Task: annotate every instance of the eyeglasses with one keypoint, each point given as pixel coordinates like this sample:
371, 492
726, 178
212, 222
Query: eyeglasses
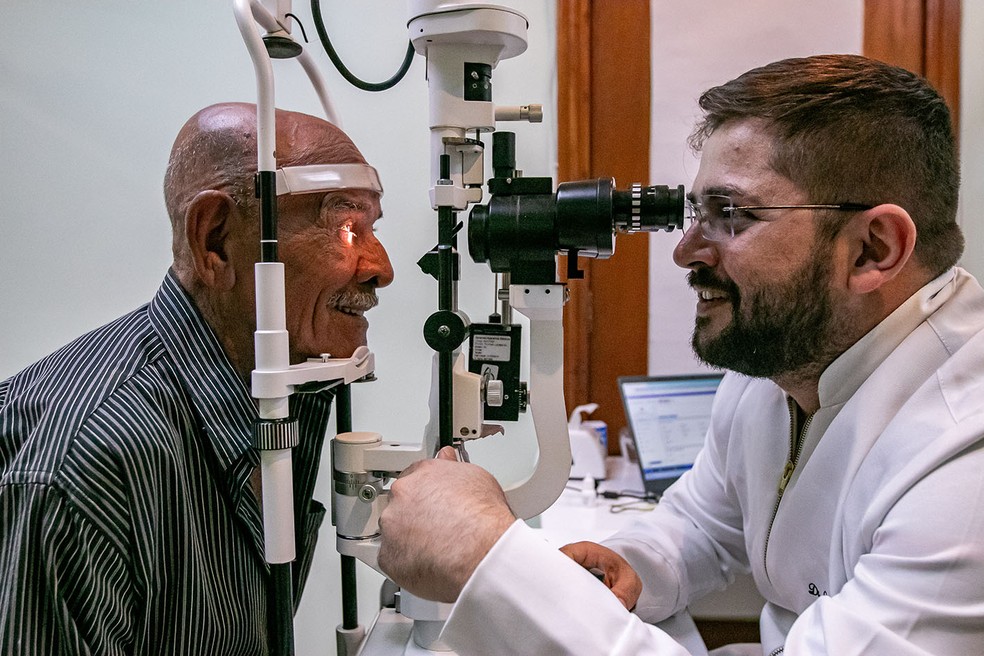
720, 219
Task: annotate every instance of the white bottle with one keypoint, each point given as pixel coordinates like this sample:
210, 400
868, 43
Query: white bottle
587, 449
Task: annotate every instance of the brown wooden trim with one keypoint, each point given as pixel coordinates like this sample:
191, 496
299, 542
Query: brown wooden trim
942, 61
573, 163
574, 88
717, 633
620, 117
922, 36
894, 32
603, 85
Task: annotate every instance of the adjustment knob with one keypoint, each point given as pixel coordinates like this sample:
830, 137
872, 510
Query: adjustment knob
494, 393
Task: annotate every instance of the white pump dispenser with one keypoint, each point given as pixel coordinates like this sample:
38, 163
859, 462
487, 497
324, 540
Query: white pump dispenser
587, 450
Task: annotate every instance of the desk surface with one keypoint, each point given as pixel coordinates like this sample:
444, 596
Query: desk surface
581, 515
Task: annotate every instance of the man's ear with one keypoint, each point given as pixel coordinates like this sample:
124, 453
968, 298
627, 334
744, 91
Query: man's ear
208, 226
881, 243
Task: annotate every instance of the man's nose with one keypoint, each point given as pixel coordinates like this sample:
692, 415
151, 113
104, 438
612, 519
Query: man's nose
694, 250
375, 265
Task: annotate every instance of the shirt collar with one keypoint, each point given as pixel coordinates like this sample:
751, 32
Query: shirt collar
846, 374
220, 398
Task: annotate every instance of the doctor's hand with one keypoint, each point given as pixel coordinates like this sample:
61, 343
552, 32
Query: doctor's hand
620, 578
443, 516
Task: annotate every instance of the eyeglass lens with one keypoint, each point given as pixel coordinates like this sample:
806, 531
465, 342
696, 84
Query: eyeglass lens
714, 213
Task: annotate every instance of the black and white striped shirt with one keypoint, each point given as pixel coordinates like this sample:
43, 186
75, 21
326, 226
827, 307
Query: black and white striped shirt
128, 522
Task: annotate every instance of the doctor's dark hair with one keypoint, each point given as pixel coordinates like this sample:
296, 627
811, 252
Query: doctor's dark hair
851, 129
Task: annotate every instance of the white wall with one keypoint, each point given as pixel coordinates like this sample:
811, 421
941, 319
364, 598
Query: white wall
696, 45
971, 136
91, 95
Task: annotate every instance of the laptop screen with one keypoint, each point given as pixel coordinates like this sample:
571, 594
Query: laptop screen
668, 417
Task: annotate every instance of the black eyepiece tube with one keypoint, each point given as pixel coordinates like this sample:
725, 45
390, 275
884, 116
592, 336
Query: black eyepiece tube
648, 209
523, 226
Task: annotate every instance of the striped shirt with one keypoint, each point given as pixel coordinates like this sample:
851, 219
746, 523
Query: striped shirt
128, 522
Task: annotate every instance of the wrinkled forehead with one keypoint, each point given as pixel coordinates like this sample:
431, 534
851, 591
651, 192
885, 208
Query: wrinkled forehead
303, 139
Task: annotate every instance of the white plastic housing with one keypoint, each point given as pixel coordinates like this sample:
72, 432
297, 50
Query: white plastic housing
278, 505
356, 520
449, 34
543, 305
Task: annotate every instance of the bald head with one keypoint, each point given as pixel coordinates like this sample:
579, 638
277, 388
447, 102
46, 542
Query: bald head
332, 260
216, 150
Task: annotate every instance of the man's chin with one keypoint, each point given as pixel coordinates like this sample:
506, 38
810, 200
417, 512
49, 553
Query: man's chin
334, 349
346, 350
713, 347
706, 332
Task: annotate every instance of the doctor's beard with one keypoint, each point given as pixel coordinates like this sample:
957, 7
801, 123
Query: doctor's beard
778, 328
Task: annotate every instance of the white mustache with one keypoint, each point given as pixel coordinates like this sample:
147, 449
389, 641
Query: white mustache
354, 299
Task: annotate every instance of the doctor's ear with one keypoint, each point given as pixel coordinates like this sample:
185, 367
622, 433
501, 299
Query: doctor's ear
209, 222
881, 241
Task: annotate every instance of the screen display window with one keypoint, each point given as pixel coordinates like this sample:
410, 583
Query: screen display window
669, 420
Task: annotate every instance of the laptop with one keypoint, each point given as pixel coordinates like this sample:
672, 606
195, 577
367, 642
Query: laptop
668, 418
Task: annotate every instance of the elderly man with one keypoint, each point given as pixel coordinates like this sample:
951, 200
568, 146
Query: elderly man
843, 463
129, 497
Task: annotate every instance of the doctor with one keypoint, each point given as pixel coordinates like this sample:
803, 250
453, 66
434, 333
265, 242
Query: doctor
842, 465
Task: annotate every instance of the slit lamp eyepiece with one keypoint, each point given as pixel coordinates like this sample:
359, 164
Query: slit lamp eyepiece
525, 224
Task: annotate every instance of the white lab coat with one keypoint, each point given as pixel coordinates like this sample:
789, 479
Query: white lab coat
877, 546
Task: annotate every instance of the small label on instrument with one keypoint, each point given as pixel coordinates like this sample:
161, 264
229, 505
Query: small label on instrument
491, 348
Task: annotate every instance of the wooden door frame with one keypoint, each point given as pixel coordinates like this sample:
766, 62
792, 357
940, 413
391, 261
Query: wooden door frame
922, 36
603, 89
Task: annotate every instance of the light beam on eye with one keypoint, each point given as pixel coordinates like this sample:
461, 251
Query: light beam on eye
348, 234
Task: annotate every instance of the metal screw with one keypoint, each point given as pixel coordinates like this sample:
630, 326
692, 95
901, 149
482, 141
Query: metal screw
443, 331
367, 493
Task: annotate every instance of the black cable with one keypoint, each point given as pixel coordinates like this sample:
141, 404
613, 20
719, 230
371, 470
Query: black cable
299, 24
319, 24
613, 494
645, 496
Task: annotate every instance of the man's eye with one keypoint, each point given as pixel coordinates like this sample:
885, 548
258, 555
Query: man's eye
347, 231
714, 209
742, 218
